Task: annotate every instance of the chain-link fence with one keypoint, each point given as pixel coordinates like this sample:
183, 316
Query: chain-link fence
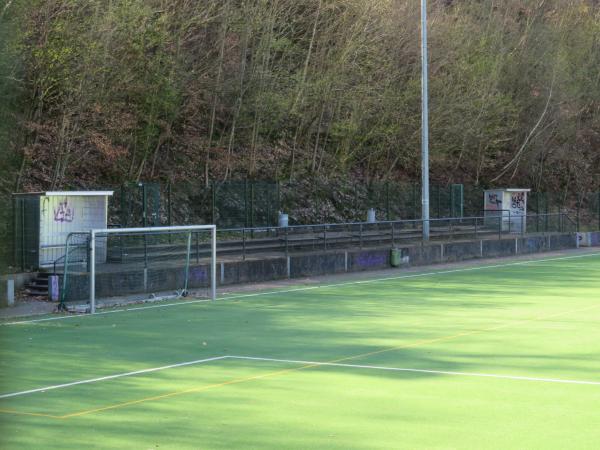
26, 238
236, 204
584, 208
226, 204
6, 235
250, 204
588, 212
136, 205
310, 201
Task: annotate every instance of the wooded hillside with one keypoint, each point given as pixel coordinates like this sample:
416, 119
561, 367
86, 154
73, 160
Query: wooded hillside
97, 92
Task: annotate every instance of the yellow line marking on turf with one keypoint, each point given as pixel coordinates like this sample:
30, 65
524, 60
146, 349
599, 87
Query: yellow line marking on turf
308, 366
176, 393
23, 413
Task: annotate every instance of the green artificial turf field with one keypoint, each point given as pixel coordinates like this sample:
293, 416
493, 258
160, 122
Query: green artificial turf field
498, 357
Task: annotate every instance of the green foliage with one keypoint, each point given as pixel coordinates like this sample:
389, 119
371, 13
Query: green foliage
11, 93
146, 89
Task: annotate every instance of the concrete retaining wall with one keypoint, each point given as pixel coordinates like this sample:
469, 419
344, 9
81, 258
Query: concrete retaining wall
359, 261
499, 248
313, 264
251, 271
317, 264
459, 251
533, 244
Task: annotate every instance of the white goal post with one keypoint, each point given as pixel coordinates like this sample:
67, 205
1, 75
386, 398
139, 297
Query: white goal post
149, 230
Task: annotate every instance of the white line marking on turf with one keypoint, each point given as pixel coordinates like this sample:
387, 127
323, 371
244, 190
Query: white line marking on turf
307, 288
111, 377
296, 361
434, 372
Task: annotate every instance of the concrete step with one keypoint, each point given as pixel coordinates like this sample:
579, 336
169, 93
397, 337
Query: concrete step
36, 292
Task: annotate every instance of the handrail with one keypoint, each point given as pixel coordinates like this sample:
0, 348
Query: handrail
379, 222
55, 262
573, 222
61, 305
358, 231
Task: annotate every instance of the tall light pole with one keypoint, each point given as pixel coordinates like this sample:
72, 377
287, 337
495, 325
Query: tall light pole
424, 124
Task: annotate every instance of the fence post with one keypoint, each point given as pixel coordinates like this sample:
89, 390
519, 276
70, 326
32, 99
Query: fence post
144, 205
546, 211
279, 207
537, 211
245, 203
439, 202
269, 201
355, 212
387, 199
15, 235
560, 221
500, 219
122, 212
243, 244
361, 235
578, 211
23, 235
252, 204
598, 205
169, 205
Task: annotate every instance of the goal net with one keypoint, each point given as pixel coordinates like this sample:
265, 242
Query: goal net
139, 264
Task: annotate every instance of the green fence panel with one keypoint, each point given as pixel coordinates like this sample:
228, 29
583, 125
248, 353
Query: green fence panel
139, 204
26, 231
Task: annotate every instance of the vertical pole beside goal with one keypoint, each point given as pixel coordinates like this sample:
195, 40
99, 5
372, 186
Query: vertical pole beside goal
92, 263
213, 264
187, 263
424, 124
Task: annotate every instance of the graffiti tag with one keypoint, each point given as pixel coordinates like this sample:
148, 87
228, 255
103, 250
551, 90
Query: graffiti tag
198, 274
64, 213
518, 202
493, 201
371, 260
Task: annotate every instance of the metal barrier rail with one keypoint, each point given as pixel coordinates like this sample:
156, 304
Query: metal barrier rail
241, 242
396, 231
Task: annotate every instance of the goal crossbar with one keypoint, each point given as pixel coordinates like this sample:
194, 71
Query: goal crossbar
190, 228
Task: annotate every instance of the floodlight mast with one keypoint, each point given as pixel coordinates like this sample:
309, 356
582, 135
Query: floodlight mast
424, 124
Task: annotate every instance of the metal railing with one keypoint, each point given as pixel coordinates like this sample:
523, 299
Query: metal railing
242, 242
359, 234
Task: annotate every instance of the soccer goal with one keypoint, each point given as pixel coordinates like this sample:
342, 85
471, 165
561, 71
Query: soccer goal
141, 263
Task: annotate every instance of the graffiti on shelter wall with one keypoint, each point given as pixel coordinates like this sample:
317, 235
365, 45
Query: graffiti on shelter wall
64, 212
494, 201
517, 202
